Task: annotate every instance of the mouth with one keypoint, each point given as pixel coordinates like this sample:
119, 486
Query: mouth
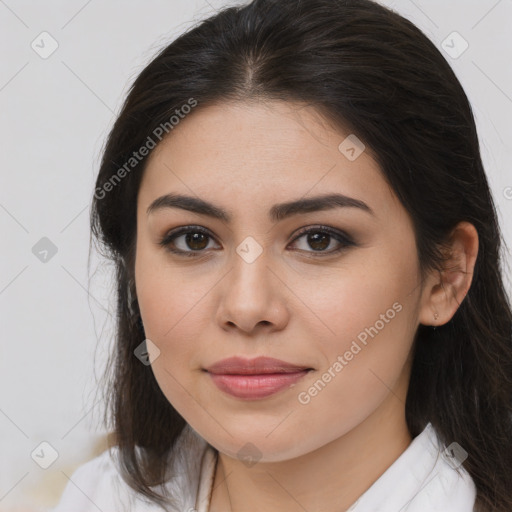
257, 378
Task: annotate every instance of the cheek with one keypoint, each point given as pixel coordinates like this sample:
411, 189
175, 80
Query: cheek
365, 325
172, 306
365, 361
173, 322
365, 356
370, 299
170, 297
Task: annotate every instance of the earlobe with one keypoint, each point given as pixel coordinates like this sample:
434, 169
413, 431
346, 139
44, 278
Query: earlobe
445, 290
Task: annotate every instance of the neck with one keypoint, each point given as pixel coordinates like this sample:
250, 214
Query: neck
330, 478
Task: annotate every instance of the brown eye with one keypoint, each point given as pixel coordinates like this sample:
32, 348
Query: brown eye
318, 241
187, 241
193, 241
196, 241
319, 238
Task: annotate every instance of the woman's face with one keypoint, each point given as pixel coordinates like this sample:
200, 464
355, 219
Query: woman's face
340, 305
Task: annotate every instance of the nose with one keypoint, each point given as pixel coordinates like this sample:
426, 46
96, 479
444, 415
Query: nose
252, 297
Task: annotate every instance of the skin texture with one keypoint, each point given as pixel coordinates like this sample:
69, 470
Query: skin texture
292, 302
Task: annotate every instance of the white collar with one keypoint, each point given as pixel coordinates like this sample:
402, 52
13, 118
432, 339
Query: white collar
423, 478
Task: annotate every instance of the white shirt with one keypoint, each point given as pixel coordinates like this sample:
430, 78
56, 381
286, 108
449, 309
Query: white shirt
423, 479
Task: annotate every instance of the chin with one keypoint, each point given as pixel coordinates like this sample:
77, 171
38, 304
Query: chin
251, 444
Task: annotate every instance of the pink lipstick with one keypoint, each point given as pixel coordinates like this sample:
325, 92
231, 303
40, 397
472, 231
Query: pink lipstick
257, 378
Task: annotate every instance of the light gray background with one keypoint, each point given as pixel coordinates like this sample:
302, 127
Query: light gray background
54, 116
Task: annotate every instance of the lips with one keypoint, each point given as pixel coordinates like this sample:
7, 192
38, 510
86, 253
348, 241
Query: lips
255, 378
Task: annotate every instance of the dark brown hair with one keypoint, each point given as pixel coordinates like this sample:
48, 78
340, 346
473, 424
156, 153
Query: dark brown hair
378, 76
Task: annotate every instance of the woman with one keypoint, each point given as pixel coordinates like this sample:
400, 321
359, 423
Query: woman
311, 312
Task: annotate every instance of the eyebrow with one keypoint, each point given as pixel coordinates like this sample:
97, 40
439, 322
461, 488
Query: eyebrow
276, 213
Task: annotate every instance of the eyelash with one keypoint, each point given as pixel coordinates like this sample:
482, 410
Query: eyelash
337, 235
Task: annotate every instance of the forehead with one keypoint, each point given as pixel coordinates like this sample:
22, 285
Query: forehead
257, 151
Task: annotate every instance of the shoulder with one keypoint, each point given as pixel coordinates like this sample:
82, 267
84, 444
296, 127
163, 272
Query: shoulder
95, 484
450, 485
437, 479
98, 485
426, 476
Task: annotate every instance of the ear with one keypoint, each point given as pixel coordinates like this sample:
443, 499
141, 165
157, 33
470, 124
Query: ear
444, 291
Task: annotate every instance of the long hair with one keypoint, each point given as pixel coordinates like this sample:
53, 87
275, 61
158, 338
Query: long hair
374, 73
